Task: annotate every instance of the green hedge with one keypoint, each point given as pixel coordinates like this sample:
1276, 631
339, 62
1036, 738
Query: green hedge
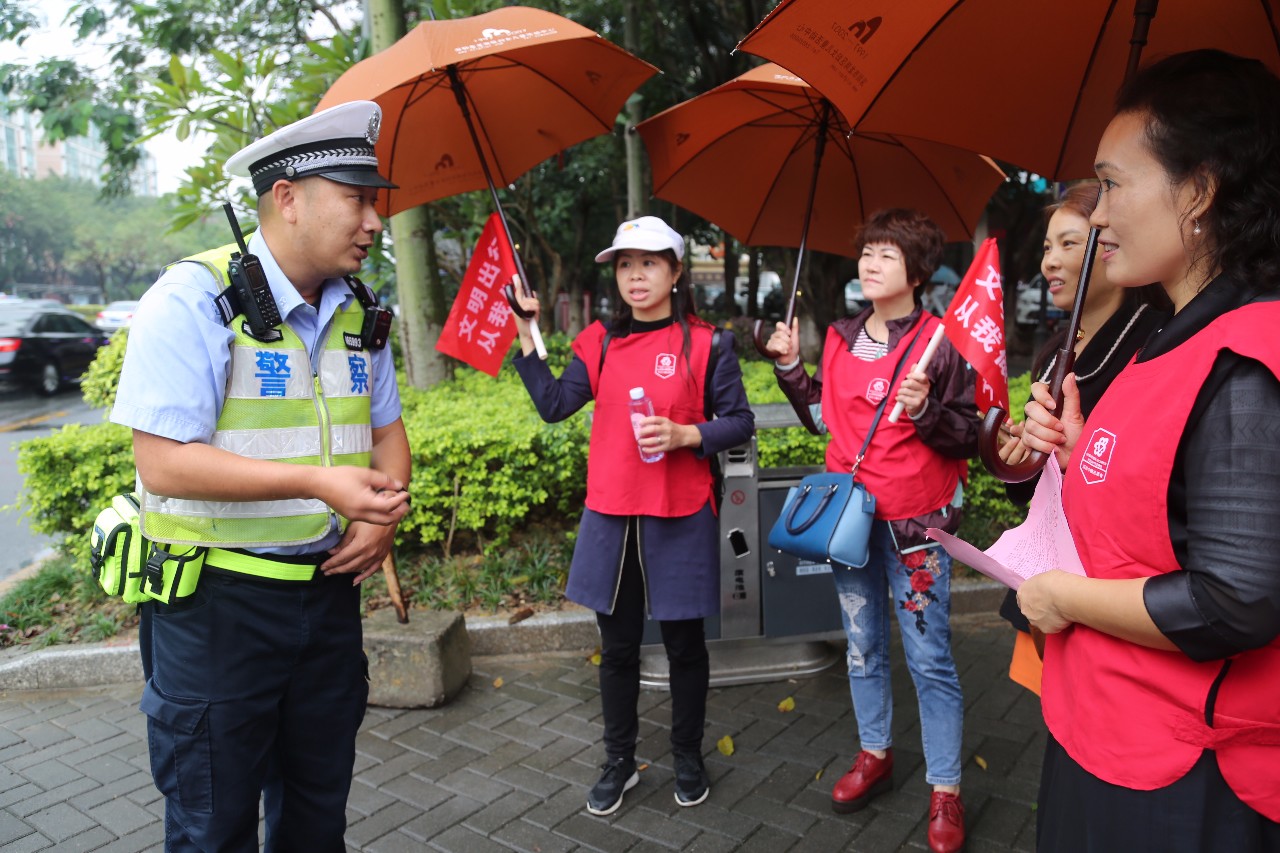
485, 465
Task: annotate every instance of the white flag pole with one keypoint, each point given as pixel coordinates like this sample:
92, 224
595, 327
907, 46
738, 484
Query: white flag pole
938, 334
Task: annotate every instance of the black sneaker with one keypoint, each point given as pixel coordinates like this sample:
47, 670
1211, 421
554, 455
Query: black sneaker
692, 783
617, 777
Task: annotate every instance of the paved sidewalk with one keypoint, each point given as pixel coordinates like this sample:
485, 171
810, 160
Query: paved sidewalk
507, 767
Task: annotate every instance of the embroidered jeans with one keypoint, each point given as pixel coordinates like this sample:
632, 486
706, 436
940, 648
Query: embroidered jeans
918, 589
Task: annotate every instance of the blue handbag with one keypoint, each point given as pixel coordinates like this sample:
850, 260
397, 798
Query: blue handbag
827, 517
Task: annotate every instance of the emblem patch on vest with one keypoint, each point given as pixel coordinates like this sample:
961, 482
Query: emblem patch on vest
665, 366
352, 341
877, 390
1097, 456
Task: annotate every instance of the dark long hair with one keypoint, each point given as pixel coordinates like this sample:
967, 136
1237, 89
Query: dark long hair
1214, 118
683, 305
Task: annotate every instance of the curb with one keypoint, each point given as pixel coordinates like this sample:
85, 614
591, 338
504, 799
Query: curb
571, 630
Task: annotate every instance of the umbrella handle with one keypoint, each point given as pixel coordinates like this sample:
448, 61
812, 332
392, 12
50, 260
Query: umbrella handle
989, 433
758, 336
509, 291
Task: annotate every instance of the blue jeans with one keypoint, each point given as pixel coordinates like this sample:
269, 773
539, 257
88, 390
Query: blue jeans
921, 598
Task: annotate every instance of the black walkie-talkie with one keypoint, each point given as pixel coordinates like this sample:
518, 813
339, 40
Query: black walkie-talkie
250, 285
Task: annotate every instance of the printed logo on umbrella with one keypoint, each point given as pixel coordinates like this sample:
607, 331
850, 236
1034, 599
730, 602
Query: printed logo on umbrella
491, 37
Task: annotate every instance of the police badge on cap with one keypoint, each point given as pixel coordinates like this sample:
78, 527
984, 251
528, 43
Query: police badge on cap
336, 143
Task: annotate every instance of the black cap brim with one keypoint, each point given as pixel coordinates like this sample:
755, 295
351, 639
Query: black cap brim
359, 178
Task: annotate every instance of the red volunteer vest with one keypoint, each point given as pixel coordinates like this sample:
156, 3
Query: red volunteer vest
618, 481
908, 477
1131, 715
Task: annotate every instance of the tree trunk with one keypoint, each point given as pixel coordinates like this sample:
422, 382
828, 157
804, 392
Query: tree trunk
422, 308
635, 190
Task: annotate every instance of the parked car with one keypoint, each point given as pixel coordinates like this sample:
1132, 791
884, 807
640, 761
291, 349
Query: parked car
769, 294
854, 299
117, 315
1027, 307
44, 346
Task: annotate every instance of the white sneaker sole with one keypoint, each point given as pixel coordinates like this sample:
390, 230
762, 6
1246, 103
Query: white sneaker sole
626, 786
687, 803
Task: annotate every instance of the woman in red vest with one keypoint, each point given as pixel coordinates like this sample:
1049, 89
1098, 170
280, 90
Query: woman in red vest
648, 543
1113, 326
914, 468
1162, 665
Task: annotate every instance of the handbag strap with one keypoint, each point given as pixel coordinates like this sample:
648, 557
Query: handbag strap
875, 422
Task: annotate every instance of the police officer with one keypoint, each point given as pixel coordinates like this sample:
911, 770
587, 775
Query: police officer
284, 452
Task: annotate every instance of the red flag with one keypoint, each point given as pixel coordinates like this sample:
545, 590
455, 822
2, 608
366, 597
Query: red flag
479, 329
975, 326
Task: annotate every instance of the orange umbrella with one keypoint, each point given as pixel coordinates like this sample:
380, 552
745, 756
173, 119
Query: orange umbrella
1030, 82
769, 160
472, 102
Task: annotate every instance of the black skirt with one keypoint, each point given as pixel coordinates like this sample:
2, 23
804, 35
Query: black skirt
1199, 813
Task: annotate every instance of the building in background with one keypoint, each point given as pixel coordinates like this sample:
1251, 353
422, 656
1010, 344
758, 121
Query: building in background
25, 153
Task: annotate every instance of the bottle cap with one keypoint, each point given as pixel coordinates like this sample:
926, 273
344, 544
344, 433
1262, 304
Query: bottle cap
637, 393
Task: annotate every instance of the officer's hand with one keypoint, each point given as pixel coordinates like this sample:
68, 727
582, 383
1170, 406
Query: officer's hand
363, 494
361, 551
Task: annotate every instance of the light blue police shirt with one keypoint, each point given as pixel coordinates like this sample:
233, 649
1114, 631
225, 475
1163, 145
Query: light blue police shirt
174, 377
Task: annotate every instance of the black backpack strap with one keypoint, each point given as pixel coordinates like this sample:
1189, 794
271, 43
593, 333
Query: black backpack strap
708, 409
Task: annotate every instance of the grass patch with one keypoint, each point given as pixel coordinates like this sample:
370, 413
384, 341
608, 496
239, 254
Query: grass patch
61, 603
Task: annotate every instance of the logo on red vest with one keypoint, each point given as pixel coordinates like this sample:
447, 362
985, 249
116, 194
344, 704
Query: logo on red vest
665, 367
877, 390
1097, 457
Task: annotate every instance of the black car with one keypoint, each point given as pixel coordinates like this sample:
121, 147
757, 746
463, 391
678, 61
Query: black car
44, 346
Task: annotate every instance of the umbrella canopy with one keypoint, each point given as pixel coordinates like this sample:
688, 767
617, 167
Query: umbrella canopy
743, 155
1027, 81
534, 84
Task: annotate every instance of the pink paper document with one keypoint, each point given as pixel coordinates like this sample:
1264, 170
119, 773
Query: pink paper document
1040, 543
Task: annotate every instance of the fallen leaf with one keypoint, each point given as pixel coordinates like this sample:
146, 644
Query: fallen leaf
725, 745
980, 761
786, 705
595, 659
642, 766
520, 615
497, 682
817, 776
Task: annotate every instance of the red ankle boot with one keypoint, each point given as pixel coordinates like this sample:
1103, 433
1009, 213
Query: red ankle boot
868, 777
946, 823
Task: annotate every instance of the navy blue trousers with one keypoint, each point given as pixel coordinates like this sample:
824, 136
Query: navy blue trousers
255, 689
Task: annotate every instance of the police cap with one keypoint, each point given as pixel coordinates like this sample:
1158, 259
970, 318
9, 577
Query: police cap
336, 143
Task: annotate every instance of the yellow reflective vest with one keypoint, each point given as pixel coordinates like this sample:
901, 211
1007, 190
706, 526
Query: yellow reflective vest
281, 407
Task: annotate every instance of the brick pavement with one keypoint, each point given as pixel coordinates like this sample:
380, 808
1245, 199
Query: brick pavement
506, 768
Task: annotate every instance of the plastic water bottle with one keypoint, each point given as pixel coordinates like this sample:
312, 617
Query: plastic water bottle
642, 407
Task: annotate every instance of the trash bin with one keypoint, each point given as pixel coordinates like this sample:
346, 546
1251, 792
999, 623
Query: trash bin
778, 615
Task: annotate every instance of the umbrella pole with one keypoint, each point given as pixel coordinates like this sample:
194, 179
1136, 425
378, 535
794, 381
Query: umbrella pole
819, 145
460, 95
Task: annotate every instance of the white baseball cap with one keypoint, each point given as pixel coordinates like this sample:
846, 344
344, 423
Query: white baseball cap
336, 143
648, 234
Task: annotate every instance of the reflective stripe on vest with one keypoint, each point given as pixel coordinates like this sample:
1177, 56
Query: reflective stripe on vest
277, 408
